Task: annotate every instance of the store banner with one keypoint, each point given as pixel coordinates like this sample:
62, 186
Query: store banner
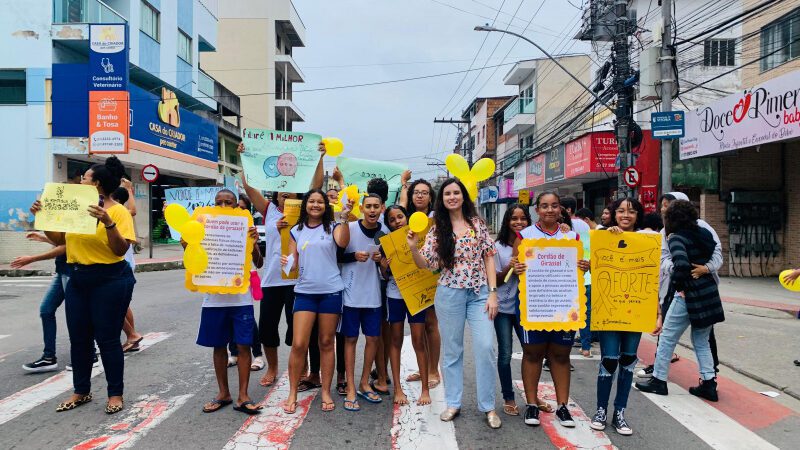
108, 57
108, 122
535, 168
520, 175
506, 188
554, 164
768, 112
489, 194
591, 153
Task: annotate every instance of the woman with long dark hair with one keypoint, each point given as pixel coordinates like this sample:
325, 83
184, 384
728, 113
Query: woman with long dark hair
460, 247
99, 290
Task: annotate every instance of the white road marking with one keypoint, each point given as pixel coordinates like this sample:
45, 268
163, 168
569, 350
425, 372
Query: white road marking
414, 426
3, 336
23, 401
706, 422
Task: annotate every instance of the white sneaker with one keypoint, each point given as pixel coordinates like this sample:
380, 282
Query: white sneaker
233, 360
257, 363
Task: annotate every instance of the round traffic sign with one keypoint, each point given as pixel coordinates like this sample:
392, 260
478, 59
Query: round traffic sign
150, 173
632, 177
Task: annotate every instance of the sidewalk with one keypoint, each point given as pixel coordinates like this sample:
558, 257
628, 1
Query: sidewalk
165, 257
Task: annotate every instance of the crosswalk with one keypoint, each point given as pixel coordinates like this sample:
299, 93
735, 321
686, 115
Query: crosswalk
25, 282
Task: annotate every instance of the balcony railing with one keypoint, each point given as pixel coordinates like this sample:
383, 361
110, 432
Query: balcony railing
84, 11
520, 105
205, 84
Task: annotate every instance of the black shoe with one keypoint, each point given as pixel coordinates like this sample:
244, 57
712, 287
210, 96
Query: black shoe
546, 365
532, 415
797, 362
647, 372
707, 390
95, 363
42, 365
564, 417
374, 376
653, 386
619, 423
599, 420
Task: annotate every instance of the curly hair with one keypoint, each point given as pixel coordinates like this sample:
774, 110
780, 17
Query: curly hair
446, 248
410, 202
505, 235
327, 216
680, 215
635, 204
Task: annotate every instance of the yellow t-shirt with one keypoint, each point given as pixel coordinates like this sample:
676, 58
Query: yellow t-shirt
93, 248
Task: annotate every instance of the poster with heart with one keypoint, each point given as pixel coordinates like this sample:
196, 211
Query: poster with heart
625, 272
281, 161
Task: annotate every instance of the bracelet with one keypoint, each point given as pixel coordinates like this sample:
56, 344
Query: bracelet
108, 227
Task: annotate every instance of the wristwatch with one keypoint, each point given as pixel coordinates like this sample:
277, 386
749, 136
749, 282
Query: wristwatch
492, 289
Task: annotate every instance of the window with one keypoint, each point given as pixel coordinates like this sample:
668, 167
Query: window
12, 87
278, 43
149, 21
184, 47
719, 52
780, 41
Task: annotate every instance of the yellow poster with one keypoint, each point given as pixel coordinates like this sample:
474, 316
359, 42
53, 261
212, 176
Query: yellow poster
65, 208
229, 247
418, 286
625, 271
524, 197
291, 213
551, 291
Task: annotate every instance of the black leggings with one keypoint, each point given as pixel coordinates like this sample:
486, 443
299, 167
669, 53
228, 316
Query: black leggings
276, 299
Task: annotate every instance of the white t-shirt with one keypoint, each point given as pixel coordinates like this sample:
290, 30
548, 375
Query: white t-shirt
319, 271
507, 292
582, 229
362, 284
272, 260
392, 291
579, 226
534, 232
223, 300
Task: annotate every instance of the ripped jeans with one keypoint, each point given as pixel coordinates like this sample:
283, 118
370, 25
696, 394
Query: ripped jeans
617, 349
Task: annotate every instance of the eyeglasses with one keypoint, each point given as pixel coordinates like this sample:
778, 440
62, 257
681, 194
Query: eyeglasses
421, 193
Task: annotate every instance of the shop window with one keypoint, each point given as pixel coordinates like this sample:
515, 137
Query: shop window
12, 87
184, 47
699, 174
780, 41
149, 21
719, 52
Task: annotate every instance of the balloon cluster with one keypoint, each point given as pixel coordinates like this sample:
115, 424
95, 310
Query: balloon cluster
481, 170
333, 146
195, 258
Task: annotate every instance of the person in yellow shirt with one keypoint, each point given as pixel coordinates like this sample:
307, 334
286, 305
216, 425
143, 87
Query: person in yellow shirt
99, 290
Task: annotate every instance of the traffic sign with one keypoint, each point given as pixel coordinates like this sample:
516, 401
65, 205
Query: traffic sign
668, 124
150, 173
632, 177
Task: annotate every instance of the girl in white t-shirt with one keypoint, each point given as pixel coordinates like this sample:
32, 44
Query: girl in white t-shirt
318, 291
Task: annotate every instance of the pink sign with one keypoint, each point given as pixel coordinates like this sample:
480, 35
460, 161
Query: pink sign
506, 189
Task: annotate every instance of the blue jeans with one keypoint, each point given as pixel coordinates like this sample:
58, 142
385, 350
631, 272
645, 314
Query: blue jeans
617, 349
586, 332
47, 311
675, 324
504, 326
454, 308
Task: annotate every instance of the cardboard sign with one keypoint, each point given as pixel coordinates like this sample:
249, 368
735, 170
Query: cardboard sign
291, 213
551, 291
625, 276
280, 160
360, 171
65, 208
418, 286
524, 197
190, 198
229, 248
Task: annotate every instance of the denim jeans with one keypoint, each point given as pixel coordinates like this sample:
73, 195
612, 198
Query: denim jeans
675, 324
586, 332
47, 311
97, 298
454, 308
617, 351
504, 326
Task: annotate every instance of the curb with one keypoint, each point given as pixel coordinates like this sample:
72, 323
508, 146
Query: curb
143, 267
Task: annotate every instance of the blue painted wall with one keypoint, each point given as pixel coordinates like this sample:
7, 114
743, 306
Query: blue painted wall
186, 16
183, 78
149, 54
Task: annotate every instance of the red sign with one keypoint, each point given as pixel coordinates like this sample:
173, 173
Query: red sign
648, 166
632, 177
535, 171
150, 173
109, 124
591, 153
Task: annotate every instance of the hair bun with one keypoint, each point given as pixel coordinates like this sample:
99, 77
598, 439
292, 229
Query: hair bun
114, 165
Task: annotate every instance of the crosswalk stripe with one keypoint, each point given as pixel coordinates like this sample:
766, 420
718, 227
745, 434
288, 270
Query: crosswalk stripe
23, 401
413, 424
141, 417
707, 422
273, 428
3, 336
16, 280
581, 436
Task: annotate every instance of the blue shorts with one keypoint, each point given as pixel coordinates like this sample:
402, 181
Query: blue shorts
544, 337
319, 303
221, 325
398, 311
368, 319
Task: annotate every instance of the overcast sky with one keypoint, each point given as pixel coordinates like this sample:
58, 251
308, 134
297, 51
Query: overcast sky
352, 42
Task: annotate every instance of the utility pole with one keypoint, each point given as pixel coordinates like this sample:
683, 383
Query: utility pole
667, 82
459, 122
624, 110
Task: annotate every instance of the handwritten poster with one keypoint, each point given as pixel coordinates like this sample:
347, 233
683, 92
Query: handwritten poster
625, 270
360, 171
191, 198
280, 160
291, 213
552, 294
418, 286
229, 248
65, 208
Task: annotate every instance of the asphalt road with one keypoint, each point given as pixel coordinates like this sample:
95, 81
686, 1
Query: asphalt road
168, 381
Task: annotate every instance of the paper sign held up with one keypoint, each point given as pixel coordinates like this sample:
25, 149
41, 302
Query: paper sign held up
418, 286
281, 161
65, 208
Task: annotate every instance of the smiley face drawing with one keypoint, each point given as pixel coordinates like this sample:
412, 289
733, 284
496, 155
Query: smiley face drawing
271, 167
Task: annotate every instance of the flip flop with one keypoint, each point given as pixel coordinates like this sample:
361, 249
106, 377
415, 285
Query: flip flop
511, 410
369, 396
433, 383
221, 404
341, 388
132, 346
379, 391
290, 408
354, 406
545, 407
268, 382
305, 385
328, 406
675, 358
249, 411
414, 377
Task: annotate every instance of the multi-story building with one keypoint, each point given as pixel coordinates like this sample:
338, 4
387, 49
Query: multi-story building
44, 100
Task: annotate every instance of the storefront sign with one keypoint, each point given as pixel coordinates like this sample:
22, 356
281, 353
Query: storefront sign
591, 153
108, 57
520, 175
489, 194
160, 121
108, 122
667, 125
506, 188
554, 164
765, 113
535, 168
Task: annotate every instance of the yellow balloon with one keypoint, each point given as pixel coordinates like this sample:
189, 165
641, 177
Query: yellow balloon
794, 287
418, 222
195, 259
352, 194
483, 169
472, 189
176, 215
193, 232
457, 165
333, 146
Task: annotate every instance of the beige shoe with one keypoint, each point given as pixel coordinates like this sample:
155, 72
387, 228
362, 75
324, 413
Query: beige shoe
449, 414
493, 420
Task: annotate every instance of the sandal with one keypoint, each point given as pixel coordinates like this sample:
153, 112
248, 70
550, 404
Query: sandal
586, 353
233, 360
132, 346
354, 406
433, 383
267, 381
545, 407
305, 385
66, 406
328, 406
290, 408
369, 396
243, 407
341, 388
511, 410
414, 377
113, 409
675, 358
219, 405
